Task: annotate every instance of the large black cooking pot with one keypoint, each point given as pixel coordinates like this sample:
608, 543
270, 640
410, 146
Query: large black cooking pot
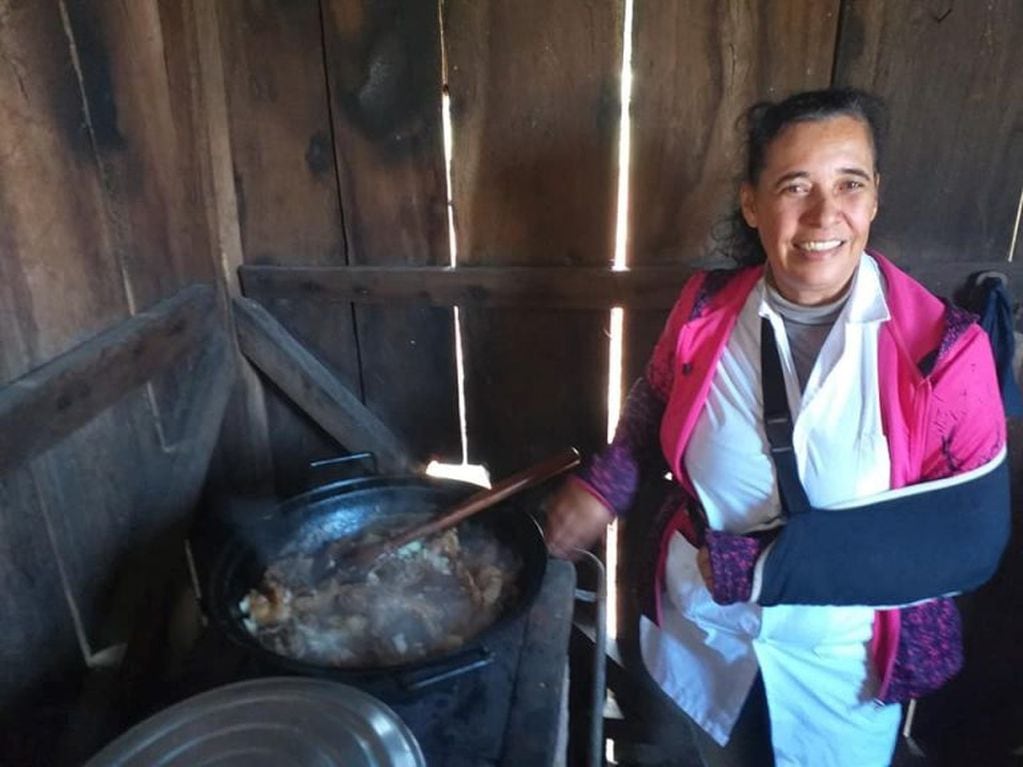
308, 521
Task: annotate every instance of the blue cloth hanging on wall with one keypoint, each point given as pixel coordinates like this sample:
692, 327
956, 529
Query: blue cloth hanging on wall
988, 296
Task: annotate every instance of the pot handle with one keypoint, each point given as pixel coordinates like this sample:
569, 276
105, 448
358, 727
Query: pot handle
326, 463
470, 660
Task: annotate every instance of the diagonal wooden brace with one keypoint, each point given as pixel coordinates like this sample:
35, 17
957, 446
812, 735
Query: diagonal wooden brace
314, 387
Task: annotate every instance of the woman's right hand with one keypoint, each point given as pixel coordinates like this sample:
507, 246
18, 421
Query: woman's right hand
575, 520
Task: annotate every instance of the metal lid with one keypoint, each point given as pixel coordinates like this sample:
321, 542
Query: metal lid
272, 721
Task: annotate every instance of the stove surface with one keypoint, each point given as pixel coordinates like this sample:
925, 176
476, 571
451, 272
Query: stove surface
507, 712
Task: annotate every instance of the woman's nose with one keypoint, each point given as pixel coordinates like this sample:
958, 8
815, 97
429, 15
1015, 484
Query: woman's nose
822, 210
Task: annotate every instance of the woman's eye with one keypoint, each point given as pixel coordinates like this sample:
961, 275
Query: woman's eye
853, 185
795, 189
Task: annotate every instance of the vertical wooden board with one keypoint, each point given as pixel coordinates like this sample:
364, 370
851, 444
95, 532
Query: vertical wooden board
40, 663
113, 496
285, 177
59, 282
535, 384
145, 153
410, 377
535, 106
62, 280
696, 67
75, 180
184, 92
38, 631
384, 72
295, 440
94, 486
328, 333
953, 170
280, 133
243, 460
640, 331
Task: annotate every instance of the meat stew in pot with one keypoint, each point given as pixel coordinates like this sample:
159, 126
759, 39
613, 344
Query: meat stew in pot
428, 598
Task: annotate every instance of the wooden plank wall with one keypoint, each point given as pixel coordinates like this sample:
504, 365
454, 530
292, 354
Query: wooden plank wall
696, 68
534, 93
337, 108
150, 144
103, 215
384, 74
286, 189
951, 73
535, 111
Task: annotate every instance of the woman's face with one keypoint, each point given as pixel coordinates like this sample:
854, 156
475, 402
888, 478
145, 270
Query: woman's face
812, 206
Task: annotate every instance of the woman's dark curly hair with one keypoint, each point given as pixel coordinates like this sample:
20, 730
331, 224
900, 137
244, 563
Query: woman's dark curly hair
763, 122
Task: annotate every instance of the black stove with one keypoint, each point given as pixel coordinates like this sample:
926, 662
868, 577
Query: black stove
507, 711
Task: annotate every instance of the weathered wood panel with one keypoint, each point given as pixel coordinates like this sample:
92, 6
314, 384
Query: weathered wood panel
479, 286
110, 505
384, 73
60, 279
953, 170
45, 405
243, 459
157, 233
38, 636
285, 183
696, 67
329, 331
145, 154
146, 591
280, 132
652, 288
313, 386
87, 176
535, 106
94, 488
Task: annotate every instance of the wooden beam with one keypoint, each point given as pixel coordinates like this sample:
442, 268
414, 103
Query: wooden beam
557, 286
48, 403
246, 456
646, 288
313, 387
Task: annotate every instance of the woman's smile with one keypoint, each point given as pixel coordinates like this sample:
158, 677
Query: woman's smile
819, 246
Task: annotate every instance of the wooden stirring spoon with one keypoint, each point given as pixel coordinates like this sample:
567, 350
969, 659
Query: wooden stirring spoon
359, 557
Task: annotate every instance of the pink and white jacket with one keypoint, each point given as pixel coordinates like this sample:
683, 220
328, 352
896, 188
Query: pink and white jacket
942, 416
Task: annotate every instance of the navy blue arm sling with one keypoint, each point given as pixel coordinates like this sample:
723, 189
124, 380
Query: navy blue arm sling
897, 551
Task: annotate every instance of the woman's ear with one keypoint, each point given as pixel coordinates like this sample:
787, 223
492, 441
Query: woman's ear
747, 203
877, 194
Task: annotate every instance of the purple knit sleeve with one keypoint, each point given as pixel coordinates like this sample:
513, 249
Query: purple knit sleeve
732, 561
930, 650
614, 473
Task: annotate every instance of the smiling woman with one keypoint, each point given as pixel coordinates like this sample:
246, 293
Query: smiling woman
812, 205
810, 189
788, 398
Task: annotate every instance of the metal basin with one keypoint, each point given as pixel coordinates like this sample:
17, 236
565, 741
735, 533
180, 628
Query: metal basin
272, 721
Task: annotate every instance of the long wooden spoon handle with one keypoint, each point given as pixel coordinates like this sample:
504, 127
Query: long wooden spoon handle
484, 499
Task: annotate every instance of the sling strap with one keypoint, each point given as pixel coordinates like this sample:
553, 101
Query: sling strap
778, 425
